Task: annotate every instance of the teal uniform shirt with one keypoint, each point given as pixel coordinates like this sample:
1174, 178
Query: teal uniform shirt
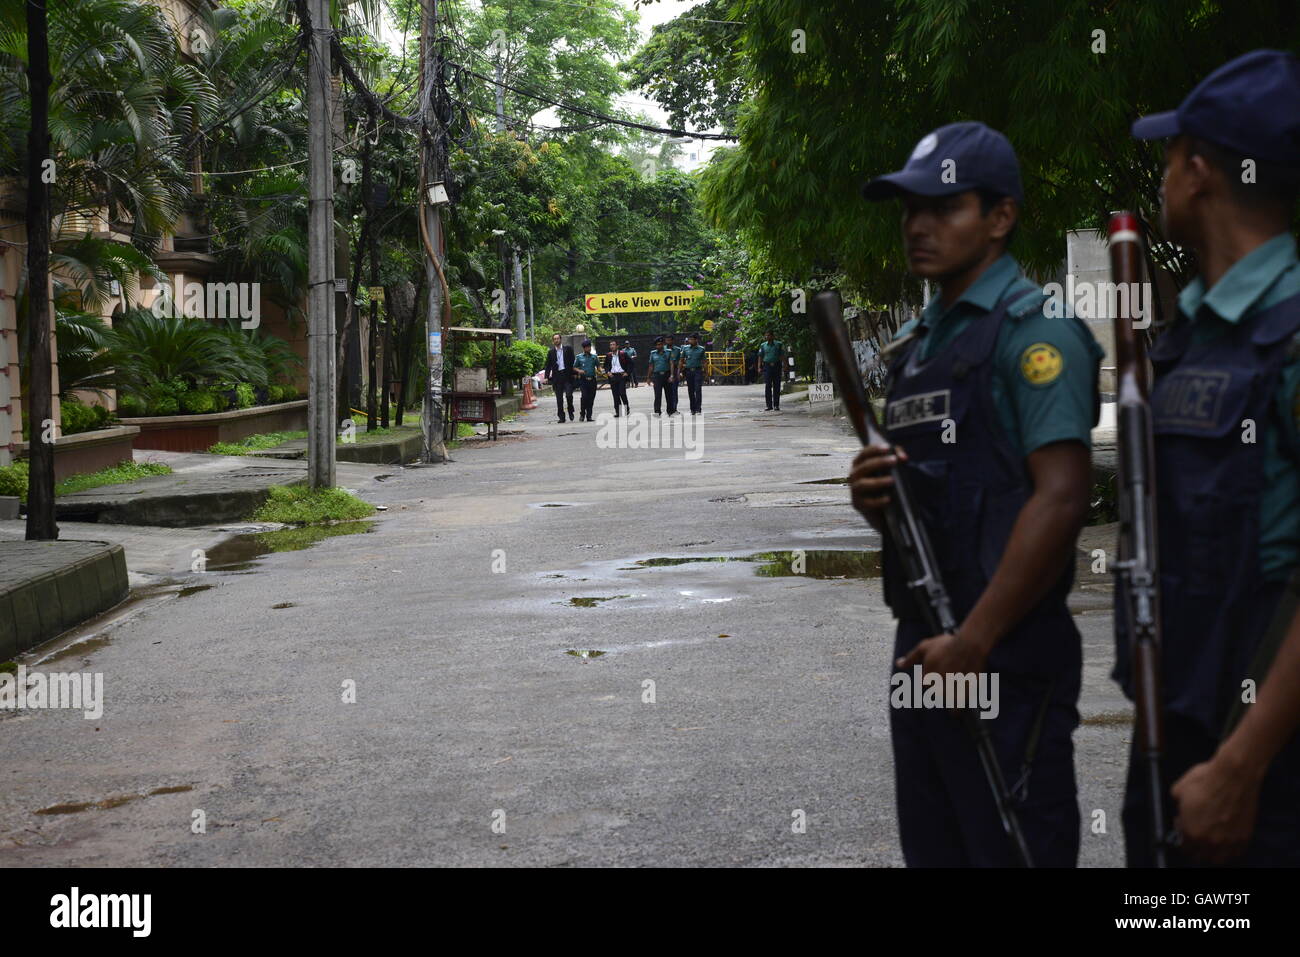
694, 356
1259, 280
1044, 372
659, 360
586, 362
770, 351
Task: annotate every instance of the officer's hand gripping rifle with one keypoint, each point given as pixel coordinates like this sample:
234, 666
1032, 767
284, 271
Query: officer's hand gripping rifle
904, 529
1137, 581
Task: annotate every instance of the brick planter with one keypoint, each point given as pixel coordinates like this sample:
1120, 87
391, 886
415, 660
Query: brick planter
89, 451
196, 433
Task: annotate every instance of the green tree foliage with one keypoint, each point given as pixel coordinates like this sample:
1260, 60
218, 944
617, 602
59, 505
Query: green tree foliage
690, 68
840, 91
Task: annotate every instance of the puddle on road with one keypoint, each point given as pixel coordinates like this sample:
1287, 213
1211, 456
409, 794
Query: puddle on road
843, 480
552, 504
590, 602
242, 552
814, 563
1109, 719
109, 803
591, 653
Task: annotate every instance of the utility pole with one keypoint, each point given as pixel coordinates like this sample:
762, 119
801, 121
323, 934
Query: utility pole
40, 446
435, 450
321, 380
521, 328
532, 311
509, 257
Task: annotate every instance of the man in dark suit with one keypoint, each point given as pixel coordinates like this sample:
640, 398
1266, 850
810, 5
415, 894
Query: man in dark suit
618, 366
559, 372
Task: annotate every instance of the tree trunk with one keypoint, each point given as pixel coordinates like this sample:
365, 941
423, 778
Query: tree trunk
40, 491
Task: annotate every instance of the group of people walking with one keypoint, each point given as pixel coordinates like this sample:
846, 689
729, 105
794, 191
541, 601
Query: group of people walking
669, 364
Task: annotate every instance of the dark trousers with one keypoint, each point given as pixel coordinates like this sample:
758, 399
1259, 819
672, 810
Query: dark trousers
772, 385
1276, 840
618, 389
670, 393
562, 381
588, 396
947, 816
694, 388
660, 381
631, 373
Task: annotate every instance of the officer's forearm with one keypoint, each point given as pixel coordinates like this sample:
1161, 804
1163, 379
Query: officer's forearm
1040, 545
1268, 723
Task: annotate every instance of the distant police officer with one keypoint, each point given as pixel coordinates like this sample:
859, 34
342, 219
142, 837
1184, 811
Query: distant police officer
991, 405
586, 365
631, 369
660, 370
674, 373
1226, 413
693, 372
769, 357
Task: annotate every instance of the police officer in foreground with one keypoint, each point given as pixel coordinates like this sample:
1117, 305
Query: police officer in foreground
692, 370
991, 406
585, 365
1225, 406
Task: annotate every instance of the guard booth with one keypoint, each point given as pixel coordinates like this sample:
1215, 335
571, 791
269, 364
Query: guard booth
474, 392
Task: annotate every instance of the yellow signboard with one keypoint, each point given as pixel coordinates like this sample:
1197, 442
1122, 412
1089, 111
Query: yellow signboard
642, 301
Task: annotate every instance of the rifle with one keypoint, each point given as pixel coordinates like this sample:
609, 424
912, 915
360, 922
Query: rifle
1137, 581
904, 529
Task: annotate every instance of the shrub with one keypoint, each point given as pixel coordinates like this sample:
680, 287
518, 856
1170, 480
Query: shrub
165, 405
13, 479
198, 403
520, 360
78, 417
131, 406
245, 396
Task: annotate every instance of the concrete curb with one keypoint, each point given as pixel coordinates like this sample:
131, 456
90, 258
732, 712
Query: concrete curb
53, 586
178, 501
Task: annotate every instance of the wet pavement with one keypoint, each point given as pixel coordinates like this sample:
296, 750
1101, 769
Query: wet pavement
620, 656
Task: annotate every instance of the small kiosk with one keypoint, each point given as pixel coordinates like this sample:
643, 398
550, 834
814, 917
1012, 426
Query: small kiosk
474, 392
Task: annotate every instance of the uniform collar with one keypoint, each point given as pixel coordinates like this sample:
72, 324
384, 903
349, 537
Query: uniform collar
1244, 284
984, 293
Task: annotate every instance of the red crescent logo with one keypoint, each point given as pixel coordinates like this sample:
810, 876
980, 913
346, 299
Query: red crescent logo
589, 298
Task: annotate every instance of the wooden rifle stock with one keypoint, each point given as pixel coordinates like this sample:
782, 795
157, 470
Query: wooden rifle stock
905, 530
1137, 579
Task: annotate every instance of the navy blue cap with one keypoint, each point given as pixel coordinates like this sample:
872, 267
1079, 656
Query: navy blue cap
659, 338
980, 157
586, 342
1250, 105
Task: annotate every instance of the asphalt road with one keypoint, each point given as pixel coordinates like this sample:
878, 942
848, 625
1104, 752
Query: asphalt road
480, 734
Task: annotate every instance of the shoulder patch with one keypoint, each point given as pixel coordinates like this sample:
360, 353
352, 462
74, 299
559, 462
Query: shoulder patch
1041, 363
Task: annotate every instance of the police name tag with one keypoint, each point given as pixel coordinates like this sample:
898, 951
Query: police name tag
918, 409
821, 392
1192, 398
